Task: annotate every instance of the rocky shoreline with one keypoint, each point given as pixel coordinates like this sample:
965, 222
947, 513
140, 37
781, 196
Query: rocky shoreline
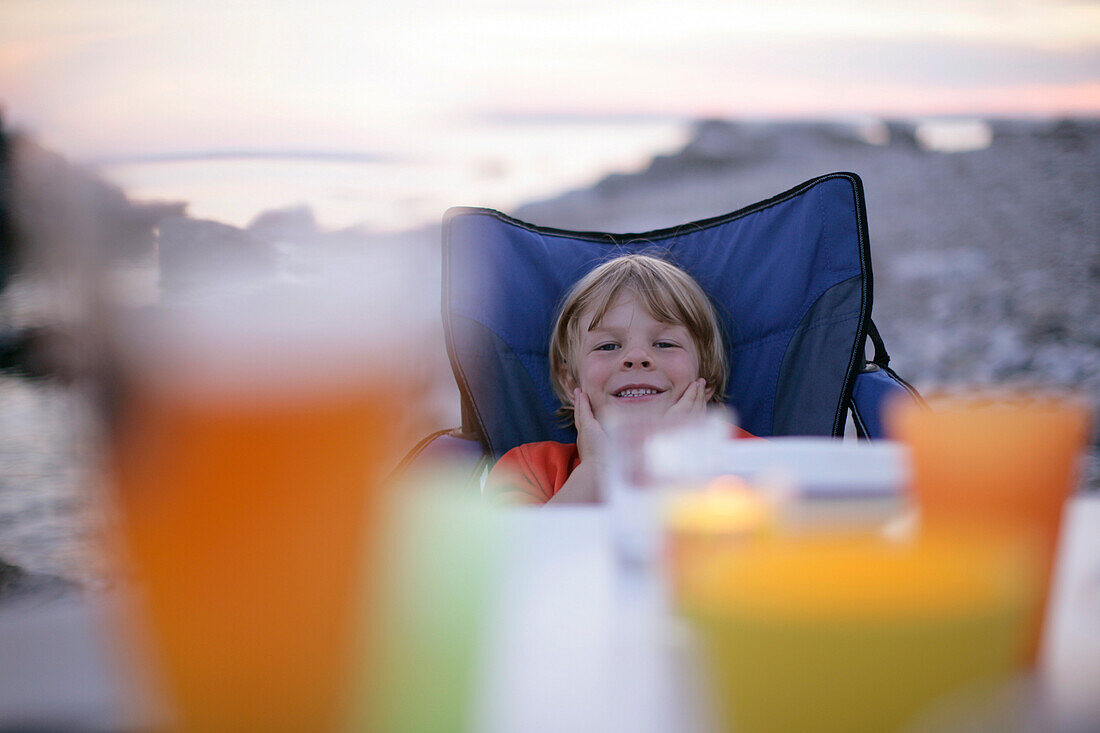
986, 262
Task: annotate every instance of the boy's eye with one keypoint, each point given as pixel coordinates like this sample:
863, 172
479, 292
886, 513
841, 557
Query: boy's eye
665, 345
607, 347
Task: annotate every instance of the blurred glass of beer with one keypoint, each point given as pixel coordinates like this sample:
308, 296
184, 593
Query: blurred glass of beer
248, 440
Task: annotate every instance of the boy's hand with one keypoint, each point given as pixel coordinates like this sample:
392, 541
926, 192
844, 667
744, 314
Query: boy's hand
592, 439
692, 403
582, 486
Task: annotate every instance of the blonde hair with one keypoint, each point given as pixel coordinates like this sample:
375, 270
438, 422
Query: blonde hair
668, 293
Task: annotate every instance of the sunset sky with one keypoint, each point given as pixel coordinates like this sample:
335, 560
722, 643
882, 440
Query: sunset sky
95, 78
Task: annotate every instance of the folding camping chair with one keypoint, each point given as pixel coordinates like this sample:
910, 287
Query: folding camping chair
790, 276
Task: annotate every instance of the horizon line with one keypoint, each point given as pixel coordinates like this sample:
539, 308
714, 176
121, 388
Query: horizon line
181, 156
567, 118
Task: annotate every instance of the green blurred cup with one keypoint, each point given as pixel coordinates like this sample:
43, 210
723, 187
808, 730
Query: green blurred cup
438, 573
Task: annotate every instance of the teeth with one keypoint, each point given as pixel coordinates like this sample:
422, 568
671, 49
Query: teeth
636, 392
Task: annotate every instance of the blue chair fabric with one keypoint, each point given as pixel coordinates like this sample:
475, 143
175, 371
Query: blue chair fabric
876, 386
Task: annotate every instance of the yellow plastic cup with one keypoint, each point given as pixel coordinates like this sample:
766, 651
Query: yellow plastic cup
723, 515
853, 634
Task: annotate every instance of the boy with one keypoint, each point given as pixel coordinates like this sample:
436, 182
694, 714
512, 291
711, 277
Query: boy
635, 335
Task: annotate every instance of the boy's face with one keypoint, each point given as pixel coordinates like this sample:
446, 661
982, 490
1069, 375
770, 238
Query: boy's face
633, 362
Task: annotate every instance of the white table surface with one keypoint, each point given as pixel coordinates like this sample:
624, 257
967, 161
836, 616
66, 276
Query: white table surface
577, 643
582, 643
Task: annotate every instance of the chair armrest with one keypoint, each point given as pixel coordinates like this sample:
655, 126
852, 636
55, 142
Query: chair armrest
875, 387
451, 450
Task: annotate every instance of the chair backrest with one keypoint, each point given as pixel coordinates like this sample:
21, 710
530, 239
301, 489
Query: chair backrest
790, 277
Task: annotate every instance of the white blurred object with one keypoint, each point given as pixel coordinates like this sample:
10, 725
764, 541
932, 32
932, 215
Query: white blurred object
814, 467
954, 136
1071, 646
687, 451
821, 483
814, 483
646, 460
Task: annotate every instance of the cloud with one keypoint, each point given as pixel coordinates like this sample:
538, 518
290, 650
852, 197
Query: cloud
141, 74
947, 64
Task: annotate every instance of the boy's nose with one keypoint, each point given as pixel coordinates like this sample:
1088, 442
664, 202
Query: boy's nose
636, 357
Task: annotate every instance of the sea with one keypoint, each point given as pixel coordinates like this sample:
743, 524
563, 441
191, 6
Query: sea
498, 164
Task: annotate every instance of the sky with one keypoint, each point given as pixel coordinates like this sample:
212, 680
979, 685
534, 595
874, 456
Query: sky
97, 78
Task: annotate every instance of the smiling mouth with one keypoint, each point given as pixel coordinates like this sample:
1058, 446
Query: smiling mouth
637, 392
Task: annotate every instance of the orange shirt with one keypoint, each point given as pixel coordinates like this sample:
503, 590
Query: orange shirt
533, 473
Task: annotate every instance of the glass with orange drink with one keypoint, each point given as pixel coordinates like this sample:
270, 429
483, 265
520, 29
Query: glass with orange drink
246, 457
999, 467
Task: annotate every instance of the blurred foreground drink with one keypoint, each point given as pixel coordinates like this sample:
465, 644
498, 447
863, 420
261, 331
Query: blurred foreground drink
438, 584
1000, 467
857, 633
247, 448
651, 461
